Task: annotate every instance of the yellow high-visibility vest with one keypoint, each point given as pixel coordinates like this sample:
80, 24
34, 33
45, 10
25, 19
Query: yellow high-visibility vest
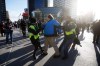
70, 32
31, 34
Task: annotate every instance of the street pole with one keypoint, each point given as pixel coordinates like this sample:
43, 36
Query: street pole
31, 7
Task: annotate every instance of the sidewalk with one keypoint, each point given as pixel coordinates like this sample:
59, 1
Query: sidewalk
20, 53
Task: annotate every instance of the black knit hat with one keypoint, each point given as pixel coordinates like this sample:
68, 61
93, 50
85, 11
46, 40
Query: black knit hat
33, 20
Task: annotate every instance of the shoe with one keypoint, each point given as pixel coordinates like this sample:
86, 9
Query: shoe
34, 57
44, 54
56, 56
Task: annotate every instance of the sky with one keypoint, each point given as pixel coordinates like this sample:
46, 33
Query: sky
15, 8
84, 6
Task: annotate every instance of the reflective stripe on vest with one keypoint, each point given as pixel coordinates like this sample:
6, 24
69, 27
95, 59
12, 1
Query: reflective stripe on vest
70, 32
31, 34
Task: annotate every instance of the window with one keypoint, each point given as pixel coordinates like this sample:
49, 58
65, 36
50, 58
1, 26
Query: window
50, 3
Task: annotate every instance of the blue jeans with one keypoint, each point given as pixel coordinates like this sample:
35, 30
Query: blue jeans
8, 35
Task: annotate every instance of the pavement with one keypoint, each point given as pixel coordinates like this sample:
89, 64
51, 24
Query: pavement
19, 53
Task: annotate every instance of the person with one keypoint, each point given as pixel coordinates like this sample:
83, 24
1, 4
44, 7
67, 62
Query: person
34, 36
51, 30
69, 34
83, 27
88, 27
8, 31
69, 31
77, 30
23, 27
2, 30
96, 32
39, 23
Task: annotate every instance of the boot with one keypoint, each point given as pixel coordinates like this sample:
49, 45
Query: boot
34, 57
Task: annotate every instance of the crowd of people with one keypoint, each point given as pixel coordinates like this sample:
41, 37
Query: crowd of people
6, 30
7, 27
51, 30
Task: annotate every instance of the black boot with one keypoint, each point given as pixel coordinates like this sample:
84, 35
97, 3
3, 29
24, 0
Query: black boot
34, 57
44, 54
65, 57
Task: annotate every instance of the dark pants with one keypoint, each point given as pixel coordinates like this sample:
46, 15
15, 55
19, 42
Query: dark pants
2, 32
8, 35
37, 45
83, 30
66, 45
24, 31
96, 38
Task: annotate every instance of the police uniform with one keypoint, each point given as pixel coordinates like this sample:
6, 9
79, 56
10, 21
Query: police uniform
34, 37
69, 35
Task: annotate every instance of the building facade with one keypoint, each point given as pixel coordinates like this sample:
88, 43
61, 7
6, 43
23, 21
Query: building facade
2, 10
36, 4
70, 5
7, 14
43, 6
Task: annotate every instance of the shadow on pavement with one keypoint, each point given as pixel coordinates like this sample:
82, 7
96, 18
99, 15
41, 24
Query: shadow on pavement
59, 39
36, 61
3, 58
3, 42
97, 50
19, 56
19, 38
23, 56
59, 62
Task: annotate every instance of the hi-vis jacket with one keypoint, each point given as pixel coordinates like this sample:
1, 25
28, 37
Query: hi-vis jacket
71, 29
33, 32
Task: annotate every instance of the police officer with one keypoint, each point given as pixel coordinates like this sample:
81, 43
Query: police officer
69, 35
34, 36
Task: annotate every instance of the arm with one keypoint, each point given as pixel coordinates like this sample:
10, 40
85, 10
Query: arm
57, 27
33, 31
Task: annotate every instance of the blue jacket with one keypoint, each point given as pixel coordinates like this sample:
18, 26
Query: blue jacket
50, 28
